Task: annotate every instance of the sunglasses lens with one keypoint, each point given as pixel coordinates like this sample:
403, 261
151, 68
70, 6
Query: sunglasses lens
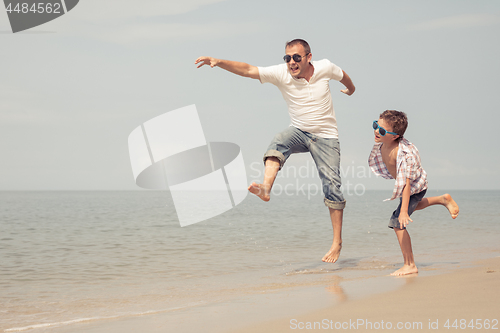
297, 58
381, 130
287, 58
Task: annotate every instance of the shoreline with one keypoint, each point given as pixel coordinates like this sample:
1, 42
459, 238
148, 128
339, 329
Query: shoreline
463, 299
468, 291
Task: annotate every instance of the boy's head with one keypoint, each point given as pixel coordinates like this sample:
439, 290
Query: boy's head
397, 121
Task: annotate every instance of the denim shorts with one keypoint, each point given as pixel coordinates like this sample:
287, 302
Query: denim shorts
414, 200
325, 153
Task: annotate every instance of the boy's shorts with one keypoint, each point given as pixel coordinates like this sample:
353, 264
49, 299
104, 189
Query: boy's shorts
414, 200
325, 153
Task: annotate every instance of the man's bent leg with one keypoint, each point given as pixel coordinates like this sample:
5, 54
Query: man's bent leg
289, 141
336, 215
263, 190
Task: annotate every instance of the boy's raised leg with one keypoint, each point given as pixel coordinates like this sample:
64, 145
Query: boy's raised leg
263, 190
405, 244
336, 216
445, 200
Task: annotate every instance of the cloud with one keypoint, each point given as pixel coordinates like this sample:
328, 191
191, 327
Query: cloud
94, 10
162, 32
16, 107
140, 33
128, 22
457, 22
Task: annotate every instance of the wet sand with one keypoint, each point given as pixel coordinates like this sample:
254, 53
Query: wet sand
429, 302
465, 300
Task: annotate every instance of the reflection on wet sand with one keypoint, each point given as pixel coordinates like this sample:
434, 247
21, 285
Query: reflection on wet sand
335, 288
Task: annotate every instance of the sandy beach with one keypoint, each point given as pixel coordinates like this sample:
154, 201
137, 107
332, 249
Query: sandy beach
465, 300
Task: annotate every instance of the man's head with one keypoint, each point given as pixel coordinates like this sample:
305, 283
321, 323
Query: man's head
295, 50
392, 121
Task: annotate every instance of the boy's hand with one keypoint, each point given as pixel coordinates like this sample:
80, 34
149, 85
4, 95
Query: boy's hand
404, 219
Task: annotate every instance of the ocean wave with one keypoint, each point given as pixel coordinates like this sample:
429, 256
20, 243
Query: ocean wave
82, 320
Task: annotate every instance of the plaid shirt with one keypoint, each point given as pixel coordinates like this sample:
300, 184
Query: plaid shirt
407, 166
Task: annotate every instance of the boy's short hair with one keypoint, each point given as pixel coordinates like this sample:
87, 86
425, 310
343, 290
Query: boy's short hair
398, 121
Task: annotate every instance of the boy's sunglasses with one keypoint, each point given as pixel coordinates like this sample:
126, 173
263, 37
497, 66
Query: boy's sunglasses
296, 57
382, 131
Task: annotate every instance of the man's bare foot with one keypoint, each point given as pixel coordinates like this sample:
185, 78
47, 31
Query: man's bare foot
334, 253
405, 270
451, 205
260, 190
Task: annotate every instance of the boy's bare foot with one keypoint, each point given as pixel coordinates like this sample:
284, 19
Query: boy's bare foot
334, 253
451, 205
260, 190
405, 270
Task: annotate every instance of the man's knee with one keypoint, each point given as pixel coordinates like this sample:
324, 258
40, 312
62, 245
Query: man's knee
274, 155
336, 205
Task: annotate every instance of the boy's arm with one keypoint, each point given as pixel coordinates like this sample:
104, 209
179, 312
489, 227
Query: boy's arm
404, 218
239, 68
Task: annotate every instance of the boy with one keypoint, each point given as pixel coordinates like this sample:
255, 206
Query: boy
394, 157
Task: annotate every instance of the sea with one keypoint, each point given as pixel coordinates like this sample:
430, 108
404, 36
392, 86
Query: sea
68, 257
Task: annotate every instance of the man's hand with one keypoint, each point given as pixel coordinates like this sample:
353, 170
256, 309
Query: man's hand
404, 219
235, 67
212, 62
347, 92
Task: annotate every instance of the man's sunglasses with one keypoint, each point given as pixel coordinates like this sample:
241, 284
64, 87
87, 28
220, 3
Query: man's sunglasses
382, 131
296, 57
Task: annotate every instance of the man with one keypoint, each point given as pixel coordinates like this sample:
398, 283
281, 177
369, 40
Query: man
304, 85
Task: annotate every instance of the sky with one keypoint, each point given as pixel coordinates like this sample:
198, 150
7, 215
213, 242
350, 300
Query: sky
73, 89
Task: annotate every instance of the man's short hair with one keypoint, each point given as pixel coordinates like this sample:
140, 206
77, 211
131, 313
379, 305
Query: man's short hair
397, 119
302, 42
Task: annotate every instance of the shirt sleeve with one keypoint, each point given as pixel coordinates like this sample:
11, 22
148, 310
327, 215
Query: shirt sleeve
371, 160
271, 74
335, 72
411, 171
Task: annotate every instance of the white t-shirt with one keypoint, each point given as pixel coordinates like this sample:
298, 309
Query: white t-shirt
309, 103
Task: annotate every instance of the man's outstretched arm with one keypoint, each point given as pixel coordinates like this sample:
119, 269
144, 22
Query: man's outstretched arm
346, 81
239, 68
